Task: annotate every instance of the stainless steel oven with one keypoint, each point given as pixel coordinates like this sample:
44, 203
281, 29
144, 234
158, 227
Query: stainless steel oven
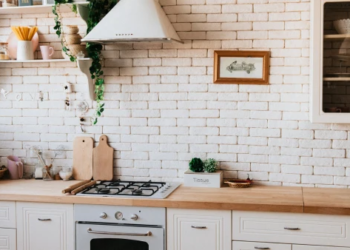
119, 228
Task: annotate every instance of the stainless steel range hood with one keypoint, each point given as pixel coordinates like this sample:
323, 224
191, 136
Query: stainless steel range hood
134, 21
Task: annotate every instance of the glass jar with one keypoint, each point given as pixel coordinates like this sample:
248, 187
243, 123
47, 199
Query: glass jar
4, 51
47, 174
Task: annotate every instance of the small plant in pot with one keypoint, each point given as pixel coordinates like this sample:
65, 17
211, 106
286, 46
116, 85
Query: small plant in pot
203, 174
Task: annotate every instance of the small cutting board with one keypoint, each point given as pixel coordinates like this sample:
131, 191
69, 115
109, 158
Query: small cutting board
82, 158
103, 161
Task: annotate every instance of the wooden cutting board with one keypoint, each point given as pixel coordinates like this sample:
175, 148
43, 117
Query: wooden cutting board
82, 158
103, 161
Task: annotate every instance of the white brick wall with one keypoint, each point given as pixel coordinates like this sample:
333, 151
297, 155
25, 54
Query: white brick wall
162, 108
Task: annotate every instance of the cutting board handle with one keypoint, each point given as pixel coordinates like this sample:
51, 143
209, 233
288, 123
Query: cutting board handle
104, 139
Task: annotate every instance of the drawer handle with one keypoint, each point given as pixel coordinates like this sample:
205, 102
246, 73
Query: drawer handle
198, 227
292, 228
262, 248
44, 219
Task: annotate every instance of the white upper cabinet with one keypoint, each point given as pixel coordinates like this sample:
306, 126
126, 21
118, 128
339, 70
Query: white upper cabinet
190, 229
42, 226
330, 61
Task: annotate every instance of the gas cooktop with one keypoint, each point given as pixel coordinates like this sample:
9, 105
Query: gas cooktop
134, 189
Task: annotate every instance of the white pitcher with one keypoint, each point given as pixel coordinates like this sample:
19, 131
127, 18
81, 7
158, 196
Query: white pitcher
25, 51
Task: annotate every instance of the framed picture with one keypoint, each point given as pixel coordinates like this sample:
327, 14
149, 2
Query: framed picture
241, 67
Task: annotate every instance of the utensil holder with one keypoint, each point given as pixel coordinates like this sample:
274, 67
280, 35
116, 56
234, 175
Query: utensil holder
25, 51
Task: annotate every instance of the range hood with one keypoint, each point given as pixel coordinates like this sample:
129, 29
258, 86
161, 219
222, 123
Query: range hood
134, 21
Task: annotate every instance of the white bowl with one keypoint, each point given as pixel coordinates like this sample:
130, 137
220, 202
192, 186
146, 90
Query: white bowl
342, 26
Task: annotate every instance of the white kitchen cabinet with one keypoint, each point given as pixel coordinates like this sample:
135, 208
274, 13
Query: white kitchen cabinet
7, 214
329, 76
189, 229
240, 245
308, 229
43, 226
7, 239
299, 247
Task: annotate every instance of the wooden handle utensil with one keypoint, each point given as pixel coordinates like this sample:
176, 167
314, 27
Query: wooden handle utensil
75, 186
77, 190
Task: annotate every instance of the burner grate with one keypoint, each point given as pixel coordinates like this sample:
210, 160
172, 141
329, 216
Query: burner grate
124, 188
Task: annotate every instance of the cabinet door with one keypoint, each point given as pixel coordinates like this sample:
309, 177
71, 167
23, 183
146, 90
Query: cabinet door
7, 214
198, 229
7, 239
239, 245
297, 247
43, 226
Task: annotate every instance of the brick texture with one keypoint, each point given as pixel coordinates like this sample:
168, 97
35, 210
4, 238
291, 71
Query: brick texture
162, 107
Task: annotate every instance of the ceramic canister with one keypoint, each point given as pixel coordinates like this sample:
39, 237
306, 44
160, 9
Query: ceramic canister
25, 51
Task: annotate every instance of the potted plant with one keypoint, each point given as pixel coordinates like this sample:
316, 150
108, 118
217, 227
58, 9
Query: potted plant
203, 174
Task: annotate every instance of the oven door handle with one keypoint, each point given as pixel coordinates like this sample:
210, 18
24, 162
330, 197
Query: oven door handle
90, 231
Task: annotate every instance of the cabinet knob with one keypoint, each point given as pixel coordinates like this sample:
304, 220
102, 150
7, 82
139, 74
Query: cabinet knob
103, 215
134, 217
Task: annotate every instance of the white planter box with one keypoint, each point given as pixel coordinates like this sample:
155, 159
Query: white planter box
213, 180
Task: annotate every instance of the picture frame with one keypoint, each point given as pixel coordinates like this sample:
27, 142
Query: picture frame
241, 67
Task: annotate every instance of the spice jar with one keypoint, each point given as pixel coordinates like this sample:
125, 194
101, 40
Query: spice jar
4, 52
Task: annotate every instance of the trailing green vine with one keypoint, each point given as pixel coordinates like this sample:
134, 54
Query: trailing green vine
58, 25
97, 10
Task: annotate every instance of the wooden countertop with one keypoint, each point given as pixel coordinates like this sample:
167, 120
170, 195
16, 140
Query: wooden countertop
259, 198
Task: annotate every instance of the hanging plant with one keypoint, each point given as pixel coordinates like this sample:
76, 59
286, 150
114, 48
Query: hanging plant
97, 10
58, 25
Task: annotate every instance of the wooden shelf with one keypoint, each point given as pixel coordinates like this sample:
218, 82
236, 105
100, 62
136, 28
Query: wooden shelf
35, 61
336, 79
42, 61
36, 9
337, 37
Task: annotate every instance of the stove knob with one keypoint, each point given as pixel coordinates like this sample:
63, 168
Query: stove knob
103, 215
134, 217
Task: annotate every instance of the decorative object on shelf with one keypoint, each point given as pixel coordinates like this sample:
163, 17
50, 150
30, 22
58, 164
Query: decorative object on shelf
241, 67
196, 165
48, 2
4, 51
47, 52
210, 165
3, 170
342, 26
9, 3
73, 42
24, 46
12, 45
25, 2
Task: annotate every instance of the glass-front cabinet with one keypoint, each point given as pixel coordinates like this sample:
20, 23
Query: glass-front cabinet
330, 61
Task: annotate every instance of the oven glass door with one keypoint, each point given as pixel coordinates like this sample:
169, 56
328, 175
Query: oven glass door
117, 237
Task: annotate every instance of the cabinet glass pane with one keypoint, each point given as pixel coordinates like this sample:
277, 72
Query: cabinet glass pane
336, 58
117, 244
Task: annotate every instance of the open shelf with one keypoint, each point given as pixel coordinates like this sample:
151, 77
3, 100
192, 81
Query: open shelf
337, 37
36, 9
35, 61
336, 79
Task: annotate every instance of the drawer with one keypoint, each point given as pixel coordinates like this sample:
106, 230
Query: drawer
296, 247
198, 229
7, 214
239, 245
327, 230
7, 239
